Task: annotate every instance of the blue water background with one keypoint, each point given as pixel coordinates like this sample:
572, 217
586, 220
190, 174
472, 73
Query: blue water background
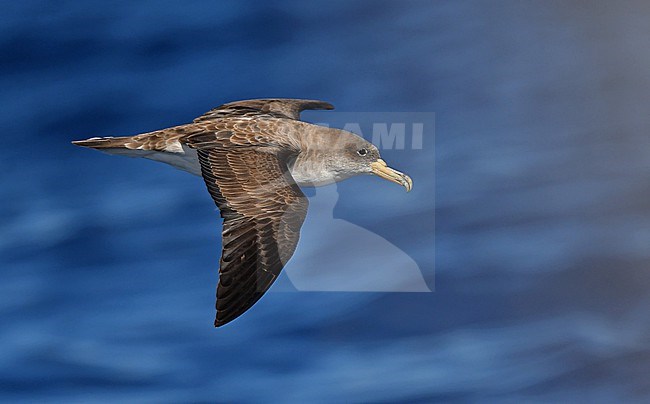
541, 182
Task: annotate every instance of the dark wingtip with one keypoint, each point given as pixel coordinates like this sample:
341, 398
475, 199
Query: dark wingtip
315, 104
326, 105
221, 320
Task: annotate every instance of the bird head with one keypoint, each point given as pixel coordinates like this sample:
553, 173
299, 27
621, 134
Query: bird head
358, 156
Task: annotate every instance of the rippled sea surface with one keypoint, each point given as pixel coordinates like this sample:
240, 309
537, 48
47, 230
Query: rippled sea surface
540, 167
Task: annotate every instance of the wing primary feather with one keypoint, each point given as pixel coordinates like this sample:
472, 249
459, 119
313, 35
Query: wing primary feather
272, 107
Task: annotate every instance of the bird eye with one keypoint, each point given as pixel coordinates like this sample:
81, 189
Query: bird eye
362, 152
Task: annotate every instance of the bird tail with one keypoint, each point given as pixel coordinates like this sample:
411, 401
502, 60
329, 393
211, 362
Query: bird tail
104, 142
151, 146
120, 146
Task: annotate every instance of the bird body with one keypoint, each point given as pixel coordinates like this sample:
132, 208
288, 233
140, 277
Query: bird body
253, 155
315, 147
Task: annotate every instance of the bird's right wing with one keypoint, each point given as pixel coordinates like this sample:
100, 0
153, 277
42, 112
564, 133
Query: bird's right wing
263, 210
275, 107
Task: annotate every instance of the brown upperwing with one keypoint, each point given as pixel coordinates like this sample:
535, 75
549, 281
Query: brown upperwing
263, 209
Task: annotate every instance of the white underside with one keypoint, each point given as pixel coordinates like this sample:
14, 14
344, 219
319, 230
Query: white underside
186, 159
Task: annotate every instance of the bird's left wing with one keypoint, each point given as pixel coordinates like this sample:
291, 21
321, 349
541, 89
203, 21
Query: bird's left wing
263, 210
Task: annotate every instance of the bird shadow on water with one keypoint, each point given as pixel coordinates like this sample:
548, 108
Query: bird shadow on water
363, 261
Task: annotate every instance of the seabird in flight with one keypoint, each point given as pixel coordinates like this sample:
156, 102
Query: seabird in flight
253, 156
